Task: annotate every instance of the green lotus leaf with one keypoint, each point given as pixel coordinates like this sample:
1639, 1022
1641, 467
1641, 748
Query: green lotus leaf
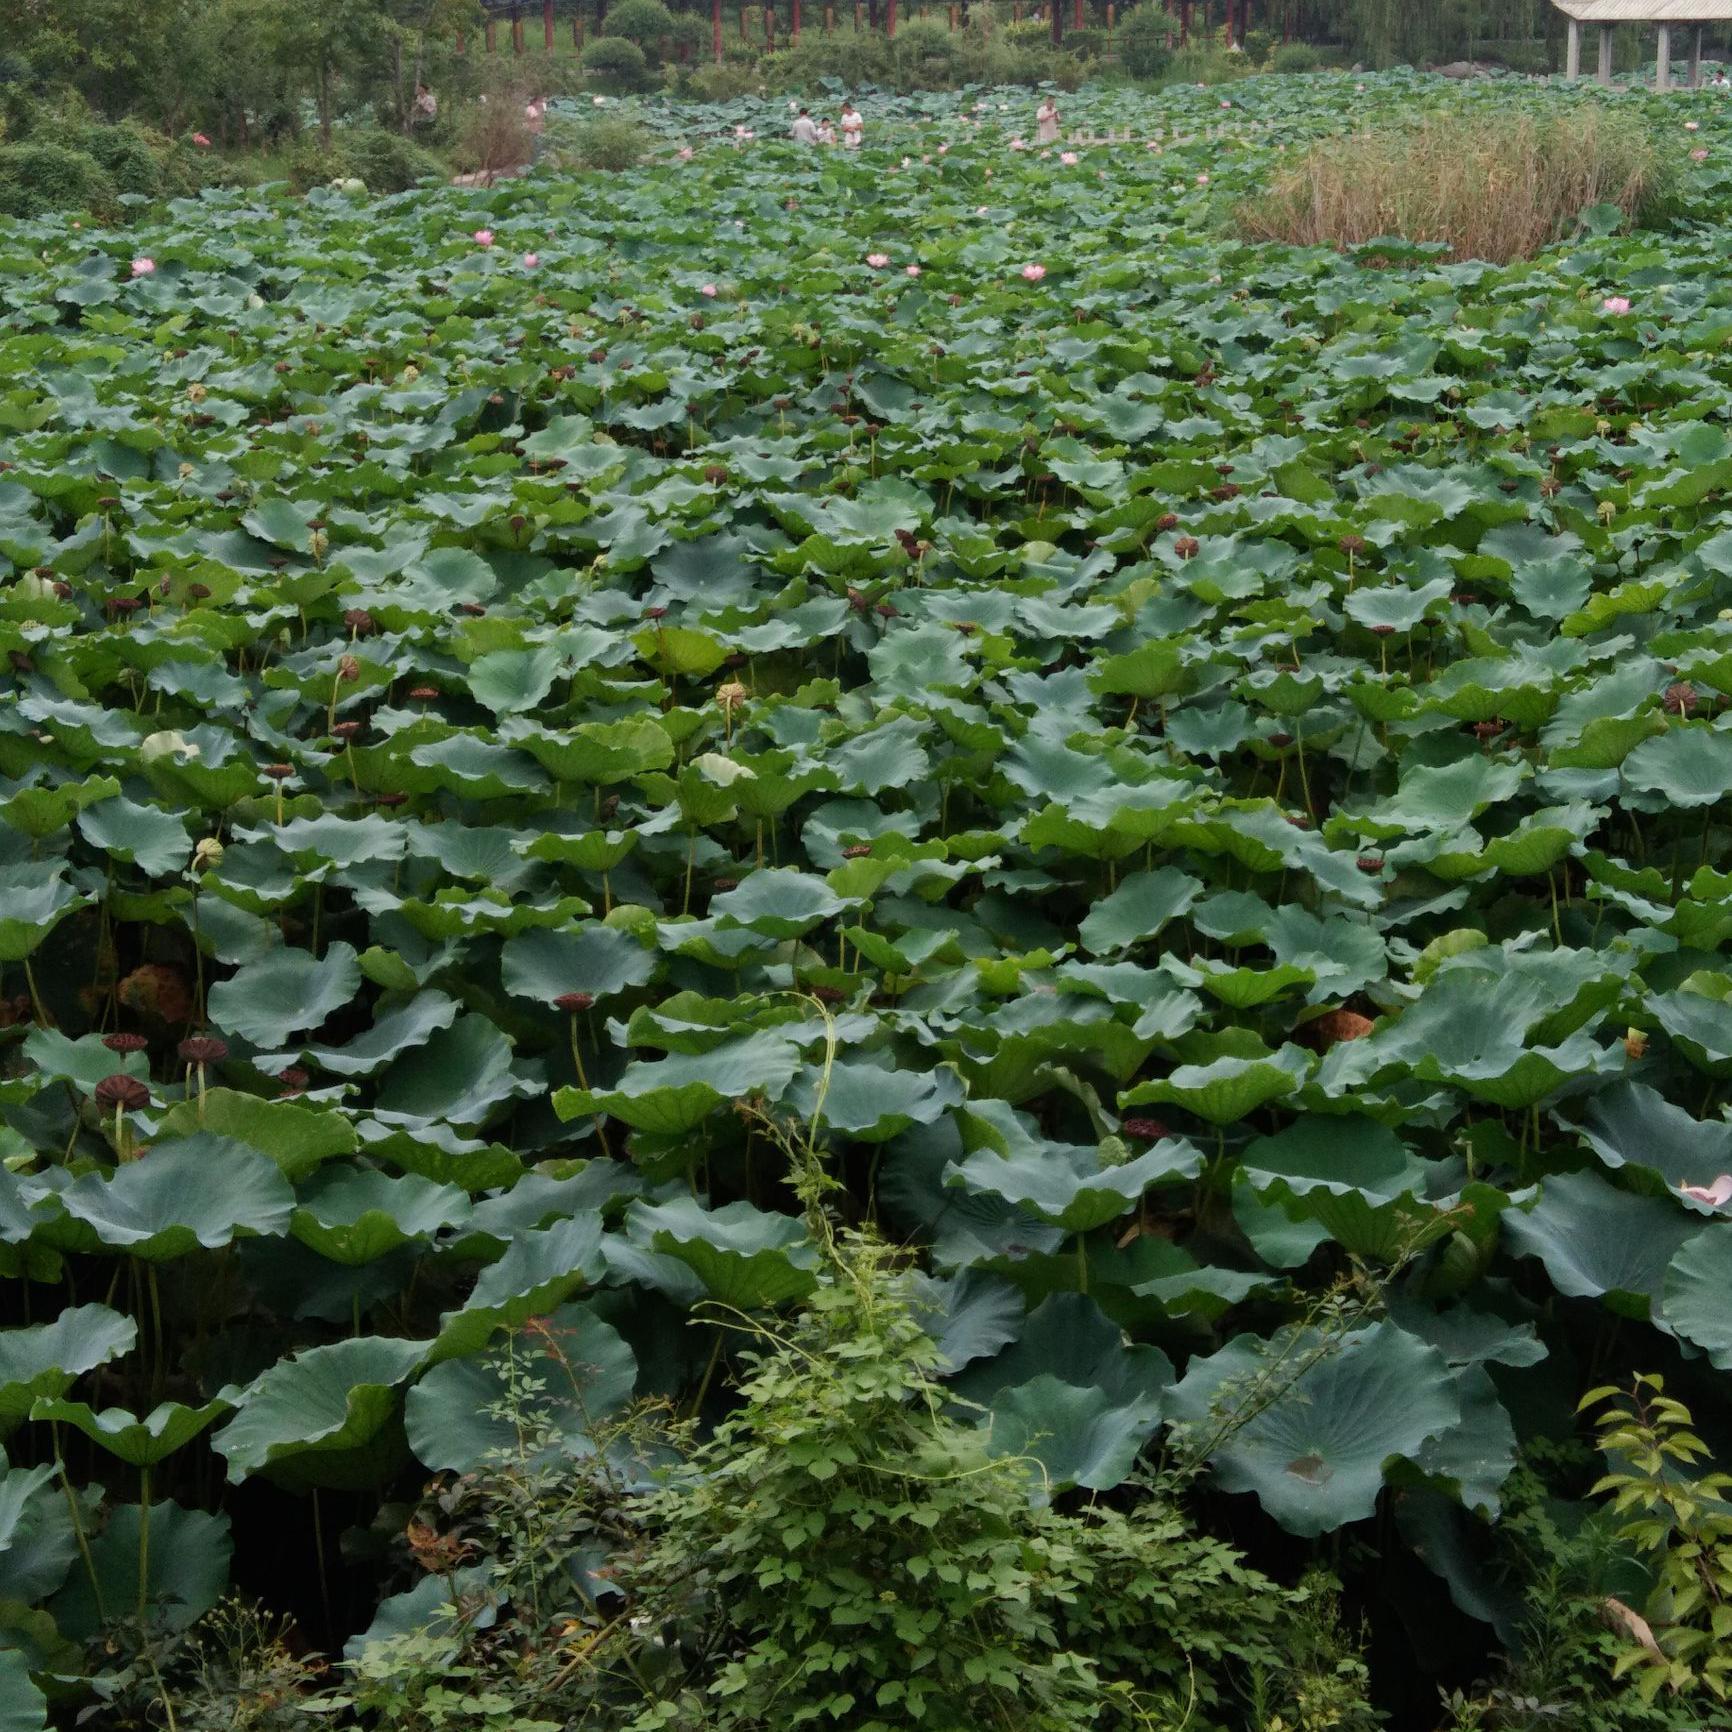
322, 1417
969, 1316
1226, 1089
42, 1360
1598, 1242
745, 1257
187, 1192
395, 1031
356, 1215
868, 1100
675, 1094
186, 1569
283, 992
140, 1442
538, 1271
1695, 1302
299, 1138
1315, 1455
144, 836
570, 1372
23, 1707
1630, 1124
1138, 909
1069, 1185
462, 1074
1689, 765
598, 960
84, 1062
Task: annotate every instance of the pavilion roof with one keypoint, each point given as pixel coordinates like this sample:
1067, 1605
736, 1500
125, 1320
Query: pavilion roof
1646, 11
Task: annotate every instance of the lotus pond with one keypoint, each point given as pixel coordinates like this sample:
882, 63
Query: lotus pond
1198, 774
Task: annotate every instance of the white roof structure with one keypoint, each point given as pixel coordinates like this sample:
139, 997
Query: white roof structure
1646, 11
1663, 14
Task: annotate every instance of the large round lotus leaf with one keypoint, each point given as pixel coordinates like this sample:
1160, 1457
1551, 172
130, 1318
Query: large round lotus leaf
598, 960
1691, 765
394, 1032
868, 1100
1353, 1176
1072, 1186
85, 1061
1315, 1455
199, 1190
320, 1417
43, 1359
969, 1316
1631, 1124
462, 1074
1598, 1242
1069, 1435
780, 903
1700, 1026
1474, 1457
139, 1442
357, 1214
267, 1001
538, 1270
298, 1137
1696, 1299
1138, 909
187, 1572
745, 1256
675, 1094
23, 1707
1225, 1090
569, 1371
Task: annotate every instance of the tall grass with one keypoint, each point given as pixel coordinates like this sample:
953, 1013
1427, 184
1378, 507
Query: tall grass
1494, 187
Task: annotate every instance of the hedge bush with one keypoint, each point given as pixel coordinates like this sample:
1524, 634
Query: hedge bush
617, 64
648, 23
1142, 41
385, 161
37, 177
1295, 57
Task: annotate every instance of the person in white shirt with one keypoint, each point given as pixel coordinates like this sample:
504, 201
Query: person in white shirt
805, 128
851, 126
826, 132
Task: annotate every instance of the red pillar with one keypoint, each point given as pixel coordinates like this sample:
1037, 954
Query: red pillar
1076, 18
516, 31
492, 37
890, 22
547, 25
716, 29
794, 22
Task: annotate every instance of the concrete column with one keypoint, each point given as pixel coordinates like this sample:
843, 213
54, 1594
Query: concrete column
1573, 53
1696, 58
1605, 54
1663, 60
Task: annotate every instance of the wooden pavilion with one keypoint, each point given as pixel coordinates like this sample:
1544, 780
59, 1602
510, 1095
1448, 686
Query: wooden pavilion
1666, 15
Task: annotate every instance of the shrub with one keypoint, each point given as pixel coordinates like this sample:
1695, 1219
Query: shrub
36, 178
1294, 57
1142, 41
609, 143
1487, 188
386, 161
616, 64
1257, 44
711, 83
648, 23
855, 58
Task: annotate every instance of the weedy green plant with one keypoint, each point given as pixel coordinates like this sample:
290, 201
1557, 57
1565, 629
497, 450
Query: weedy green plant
1676, 1516
1495, 187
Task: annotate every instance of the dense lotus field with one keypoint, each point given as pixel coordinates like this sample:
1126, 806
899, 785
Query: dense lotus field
1198, 774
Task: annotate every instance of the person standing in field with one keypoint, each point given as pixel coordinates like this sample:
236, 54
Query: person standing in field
805, 128
851, 125
1046, 122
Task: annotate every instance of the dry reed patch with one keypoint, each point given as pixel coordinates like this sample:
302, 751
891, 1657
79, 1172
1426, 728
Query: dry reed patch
1487, 187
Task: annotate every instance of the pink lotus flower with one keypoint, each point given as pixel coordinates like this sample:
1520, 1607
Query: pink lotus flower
1017, 144
708, 291
980, 210
1698, 156
1033, 273
1692, 126
143, 267
201, 141
531, 260
1069, 158
1202, 180
1617, 305
1225, 103
1716, 1195
878, 260
685, 153
914, 270
483, 238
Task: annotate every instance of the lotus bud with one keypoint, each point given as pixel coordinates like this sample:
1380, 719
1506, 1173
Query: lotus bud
166, 744
196, 393
318, 541
411, 373
730, 696
186, 472
207, 855
1606, 511
1635, 1043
